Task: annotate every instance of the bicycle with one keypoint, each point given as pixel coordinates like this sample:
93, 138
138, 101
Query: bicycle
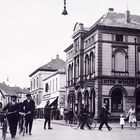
5, 124
76, 122
22, 126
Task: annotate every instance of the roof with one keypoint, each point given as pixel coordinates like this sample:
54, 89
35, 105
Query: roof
19, 90
6, 90
113, 19
53, 65
59, 71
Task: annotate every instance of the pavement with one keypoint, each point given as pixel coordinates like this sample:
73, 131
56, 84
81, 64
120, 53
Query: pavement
112, 124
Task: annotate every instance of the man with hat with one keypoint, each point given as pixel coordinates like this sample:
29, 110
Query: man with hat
104, 118
29, 108
12, 108
47, 114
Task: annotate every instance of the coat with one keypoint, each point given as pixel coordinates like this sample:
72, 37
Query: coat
12, 108
29, 106
104, 114
47, 111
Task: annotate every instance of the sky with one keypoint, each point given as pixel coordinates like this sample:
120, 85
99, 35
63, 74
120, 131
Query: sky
32, 32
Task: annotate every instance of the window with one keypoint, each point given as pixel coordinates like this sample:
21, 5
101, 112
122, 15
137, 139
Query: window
120, 62
56, 83
117, 100
46, 87
34, 83
77, 67
92, 63
119, 38
37, 85
86, 66
53, 84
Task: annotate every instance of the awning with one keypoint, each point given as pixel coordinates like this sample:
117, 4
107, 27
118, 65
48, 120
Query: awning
53, 102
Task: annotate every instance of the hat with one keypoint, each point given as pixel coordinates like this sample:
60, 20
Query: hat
14, 96
28, 95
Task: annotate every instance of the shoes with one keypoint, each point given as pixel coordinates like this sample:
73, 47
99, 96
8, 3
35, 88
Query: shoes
82, 128
100, 129
44, 128
30, 134
50, 128
109, 129
12, 136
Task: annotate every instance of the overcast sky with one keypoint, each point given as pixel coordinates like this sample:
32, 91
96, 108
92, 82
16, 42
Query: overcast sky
32, 32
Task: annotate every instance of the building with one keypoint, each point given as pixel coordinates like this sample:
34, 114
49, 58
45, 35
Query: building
103, 64
6, 92
38, 76
54, 91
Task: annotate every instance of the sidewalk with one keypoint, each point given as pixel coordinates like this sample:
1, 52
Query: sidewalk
112, 124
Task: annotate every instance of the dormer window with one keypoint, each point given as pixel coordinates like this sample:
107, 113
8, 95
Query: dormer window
119, 37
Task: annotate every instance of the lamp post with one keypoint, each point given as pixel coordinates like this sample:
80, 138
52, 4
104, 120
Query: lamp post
135, 74
64, 11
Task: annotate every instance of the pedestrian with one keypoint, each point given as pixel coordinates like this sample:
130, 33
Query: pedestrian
29, 109
13, 115
104, 118
70, 116
47, 115
84, 116
1, 114
66, 115
132, 117
122, 120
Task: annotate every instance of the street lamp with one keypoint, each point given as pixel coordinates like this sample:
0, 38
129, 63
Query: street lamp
135, 74
64, 11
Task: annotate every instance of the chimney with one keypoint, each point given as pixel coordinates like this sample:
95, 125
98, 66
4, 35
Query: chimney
127, 16
57, 56
111, 9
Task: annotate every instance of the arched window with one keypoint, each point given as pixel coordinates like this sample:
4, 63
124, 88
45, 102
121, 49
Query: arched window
69, 74
120, 61
72, 73
77, 67
117, 100
92, 63
86, 65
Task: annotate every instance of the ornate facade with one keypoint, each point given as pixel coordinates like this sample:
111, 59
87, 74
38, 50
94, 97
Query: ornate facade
103, 64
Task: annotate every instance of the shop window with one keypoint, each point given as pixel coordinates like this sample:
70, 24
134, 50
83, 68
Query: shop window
117, 100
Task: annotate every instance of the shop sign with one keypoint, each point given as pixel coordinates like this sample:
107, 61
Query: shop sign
119, 82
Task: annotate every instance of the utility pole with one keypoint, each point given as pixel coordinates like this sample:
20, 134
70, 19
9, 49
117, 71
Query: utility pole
135, 75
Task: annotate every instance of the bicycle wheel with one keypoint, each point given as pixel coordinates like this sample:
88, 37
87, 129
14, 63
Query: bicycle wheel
92, 123
75, 123
4, 130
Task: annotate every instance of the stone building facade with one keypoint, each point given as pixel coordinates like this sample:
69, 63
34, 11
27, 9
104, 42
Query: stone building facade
103, 64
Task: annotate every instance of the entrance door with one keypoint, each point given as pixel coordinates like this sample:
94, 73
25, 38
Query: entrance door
138, 102
92, 101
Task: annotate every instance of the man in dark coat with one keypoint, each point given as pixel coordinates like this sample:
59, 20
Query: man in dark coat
47, 115
29, 109
104, 117
13, 115
84, 116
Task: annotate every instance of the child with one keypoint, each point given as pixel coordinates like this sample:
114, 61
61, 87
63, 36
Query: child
134, 120
122, 120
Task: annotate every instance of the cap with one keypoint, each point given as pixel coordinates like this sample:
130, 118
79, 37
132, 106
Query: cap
28, 95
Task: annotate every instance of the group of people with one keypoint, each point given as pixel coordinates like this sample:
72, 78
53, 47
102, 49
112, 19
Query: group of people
103, 117
13, 110
131, 116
